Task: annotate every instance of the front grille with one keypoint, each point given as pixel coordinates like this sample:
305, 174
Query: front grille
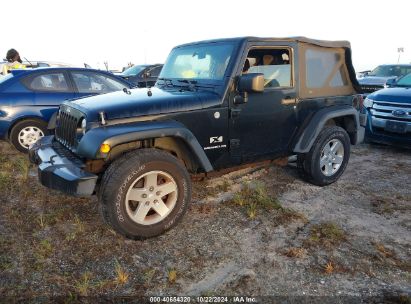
370, 88
392, 111
67, 123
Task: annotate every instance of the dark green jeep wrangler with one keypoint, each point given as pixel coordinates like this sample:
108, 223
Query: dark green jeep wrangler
216, 105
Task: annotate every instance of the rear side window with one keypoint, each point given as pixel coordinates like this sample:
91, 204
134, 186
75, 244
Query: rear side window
324, 69
52, 82
89, 82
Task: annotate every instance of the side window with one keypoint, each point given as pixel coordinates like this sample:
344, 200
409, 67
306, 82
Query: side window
155, 71
274, 63
324, 68
94, 83
53, 82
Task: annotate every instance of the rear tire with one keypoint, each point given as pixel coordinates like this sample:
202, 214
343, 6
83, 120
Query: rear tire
327, 158
145, 195
27, 132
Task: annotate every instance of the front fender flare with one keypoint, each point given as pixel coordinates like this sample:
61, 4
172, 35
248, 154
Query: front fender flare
314, 127
89, 146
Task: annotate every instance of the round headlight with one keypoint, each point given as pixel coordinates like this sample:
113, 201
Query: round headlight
84, 124
368, 102
82, 128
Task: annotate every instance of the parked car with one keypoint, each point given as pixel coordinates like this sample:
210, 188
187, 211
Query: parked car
40, 64
389, 114
377, 78
142, 75
29, 97
207, 112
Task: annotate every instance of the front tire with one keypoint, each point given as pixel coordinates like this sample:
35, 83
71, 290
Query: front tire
327, 158
27, 132
145, 195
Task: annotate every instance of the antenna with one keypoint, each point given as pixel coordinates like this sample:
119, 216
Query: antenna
28, 61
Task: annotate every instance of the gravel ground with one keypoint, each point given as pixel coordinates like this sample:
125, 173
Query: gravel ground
349, 241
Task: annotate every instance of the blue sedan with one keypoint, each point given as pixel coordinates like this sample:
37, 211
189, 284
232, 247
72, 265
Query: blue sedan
389, 114
29, 98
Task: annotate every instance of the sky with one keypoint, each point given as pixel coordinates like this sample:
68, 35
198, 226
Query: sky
123, 31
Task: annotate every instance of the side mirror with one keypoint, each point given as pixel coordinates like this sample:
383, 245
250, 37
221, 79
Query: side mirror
390, 82
253, 82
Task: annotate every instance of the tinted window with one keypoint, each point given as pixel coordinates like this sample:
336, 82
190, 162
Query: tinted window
405, 81
155, 71
273, 63
321, 69
390, 71
134, 70
89, 82
55, 82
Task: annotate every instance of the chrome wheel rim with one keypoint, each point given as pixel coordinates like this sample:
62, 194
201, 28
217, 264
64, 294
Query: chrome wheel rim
332, 156
151, 198
29, 135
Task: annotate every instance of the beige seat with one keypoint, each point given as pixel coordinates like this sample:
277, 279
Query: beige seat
268, 59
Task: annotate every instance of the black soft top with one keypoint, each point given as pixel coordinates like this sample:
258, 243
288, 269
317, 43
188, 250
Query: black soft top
322, 43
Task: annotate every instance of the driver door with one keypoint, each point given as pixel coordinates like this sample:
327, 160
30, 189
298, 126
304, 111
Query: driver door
262, 126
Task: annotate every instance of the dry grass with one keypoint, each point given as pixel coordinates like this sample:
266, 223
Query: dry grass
329, 268
326, 235
255, 200
121, 275
295, 252
83, 286
172, 276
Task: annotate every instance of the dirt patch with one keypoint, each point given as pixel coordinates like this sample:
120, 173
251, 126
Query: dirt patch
252, 232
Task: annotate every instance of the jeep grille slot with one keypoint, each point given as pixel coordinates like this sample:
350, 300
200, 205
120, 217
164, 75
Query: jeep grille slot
66, 129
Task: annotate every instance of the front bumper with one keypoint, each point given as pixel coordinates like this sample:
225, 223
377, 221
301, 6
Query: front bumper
60, 170
375, 132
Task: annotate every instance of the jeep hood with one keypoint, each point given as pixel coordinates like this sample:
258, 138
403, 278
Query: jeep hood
138, 103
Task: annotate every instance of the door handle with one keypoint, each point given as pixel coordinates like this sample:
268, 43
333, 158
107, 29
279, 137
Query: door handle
288, 100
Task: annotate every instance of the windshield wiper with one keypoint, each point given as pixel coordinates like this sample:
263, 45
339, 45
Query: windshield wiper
190, 84
167, 81
195, 84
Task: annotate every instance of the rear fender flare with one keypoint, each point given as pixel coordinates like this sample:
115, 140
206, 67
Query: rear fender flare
314, 127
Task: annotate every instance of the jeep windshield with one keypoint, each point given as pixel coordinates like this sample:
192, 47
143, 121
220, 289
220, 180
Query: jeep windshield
195, 64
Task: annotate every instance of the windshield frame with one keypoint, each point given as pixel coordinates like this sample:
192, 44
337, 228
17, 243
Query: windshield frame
205, 81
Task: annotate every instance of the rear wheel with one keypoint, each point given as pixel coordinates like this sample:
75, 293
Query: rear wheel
327, 158
26, 133
145, 195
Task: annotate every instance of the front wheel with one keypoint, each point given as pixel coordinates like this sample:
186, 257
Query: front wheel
145, 193
26, 133
327, 158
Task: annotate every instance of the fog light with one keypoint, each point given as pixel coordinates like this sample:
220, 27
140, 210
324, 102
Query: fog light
105, 148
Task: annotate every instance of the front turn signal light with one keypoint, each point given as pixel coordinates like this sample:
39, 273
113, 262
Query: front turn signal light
105, 148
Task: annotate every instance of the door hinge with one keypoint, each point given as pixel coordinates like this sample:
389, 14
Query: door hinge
234, 143
235, 113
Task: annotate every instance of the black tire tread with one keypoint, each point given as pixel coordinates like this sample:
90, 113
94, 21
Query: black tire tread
114, 175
